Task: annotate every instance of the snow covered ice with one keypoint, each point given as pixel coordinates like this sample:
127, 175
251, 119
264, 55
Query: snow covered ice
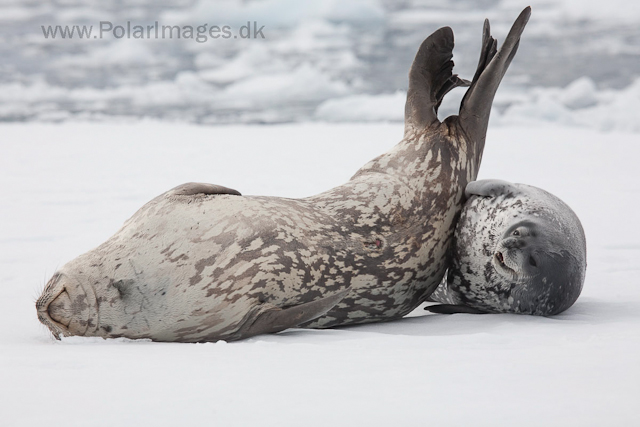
96, 129
316, 60
63, 196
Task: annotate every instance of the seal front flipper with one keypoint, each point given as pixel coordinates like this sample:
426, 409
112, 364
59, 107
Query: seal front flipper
193, 188
476, 104
453, 309
267, 318
490, 188
430, 79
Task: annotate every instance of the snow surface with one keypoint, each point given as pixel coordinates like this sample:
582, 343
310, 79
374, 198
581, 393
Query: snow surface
68, 187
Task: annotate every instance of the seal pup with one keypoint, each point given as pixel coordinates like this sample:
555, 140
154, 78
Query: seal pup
203, 263
517, 249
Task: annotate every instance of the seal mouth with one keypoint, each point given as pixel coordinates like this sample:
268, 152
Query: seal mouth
499, 258
57, 328
59, 309
65, 310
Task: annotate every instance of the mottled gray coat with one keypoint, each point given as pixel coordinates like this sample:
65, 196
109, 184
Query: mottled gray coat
202, 263
517, 249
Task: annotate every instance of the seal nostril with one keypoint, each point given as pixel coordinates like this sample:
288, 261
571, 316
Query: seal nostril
500, 257
60, 309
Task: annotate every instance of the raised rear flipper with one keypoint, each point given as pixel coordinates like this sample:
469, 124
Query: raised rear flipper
430, 79
267, 318
476, 104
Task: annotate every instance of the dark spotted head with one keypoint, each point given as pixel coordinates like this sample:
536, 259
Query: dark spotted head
519, 252
545, 274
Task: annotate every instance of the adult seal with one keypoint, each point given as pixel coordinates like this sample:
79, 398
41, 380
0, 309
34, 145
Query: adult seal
203, 263
517, 249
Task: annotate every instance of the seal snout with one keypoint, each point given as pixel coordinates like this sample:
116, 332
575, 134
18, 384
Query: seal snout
65, 308
59, 309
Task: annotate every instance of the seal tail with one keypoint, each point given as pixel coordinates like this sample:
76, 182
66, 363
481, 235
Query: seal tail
476, 104
267, 318
430, 79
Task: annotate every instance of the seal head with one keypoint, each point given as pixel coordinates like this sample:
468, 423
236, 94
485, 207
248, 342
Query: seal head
68, 304
517, 249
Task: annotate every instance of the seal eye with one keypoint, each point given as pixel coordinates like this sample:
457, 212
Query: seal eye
533, 261
516, 233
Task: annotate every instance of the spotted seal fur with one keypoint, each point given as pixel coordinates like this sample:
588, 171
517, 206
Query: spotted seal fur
517, 249
203, 263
